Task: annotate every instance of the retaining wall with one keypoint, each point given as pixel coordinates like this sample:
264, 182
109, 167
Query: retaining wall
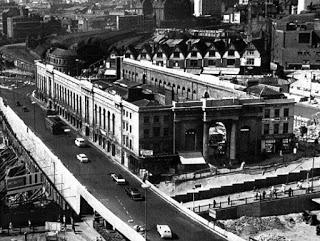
245, 186
272, 207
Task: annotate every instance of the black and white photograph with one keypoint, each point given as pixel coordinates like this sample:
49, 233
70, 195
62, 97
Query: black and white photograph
150, 120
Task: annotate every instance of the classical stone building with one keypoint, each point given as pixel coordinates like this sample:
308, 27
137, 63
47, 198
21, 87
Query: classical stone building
153, 114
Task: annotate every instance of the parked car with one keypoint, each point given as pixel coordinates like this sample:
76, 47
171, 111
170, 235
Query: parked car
164, 231
82, 157
80, 142
25, 109
133, 193
118, 179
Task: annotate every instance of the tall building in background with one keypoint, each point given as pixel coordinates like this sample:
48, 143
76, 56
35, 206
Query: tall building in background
303, 4
212, 7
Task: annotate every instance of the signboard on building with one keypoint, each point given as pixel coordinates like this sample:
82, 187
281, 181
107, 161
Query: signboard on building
144, 152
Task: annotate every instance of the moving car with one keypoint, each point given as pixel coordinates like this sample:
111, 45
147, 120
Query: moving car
82, 157
80, 142
133, 193
164, 231
118, 179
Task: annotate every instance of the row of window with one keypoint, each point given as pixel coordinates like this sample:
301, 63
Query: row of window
276, 128
68, 97
176, 54
155, 119
104, 119
276, 113
126, 126
156, 132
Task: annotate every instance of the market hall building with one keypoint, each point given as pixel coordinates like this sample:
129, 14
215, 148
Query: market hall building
153, 115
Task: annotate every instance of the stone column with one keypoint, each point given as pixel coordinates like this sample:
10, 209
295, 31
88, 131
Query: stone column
233, 145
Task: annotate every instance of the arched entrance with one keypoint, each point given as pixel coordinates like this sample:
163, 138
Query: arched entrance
217, 143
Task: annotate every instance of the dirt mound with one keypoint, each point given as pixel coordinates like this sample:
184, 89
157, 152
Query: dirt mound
272, 237
253, 225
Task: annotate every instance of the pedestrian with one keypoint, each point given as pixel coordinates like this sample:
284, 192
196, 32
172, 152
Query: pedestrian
10, 227
257, 195
275, 193
263, 194
290, 192
214, 203
229, 200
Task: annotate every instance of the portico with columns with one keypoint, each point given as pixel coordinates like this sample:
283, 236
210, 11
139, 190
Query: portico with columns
240, 118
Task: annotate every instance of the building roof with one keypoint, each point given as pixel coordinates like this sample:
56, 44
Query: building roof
63, 52
145, 103
264, 91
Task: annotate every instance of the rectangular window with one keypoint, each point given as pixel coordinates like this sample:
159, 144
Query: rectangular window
176, 54
130, 128
276, 129
286, 112
212, 53
143, 56
231, 52
267, 113
146, 119
127, 55
231, 61
194, 54
193, 63
211, 62
130, 145
166, 118
159, 55
266, 129
250, 61
304, 38
123, 125
146, 133
285, 128
130, 115
166, 131
127, 126
156, 119
156, 131
276, 112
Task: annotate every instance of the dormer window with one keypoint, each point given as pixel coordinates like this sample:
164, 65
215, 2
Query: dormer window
127, 55
176, 54
231, 52
143, 55
194, 54
212, 53
159, 55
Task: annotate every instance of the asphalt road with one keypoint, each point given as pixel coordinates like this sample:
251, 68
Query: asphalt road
95, 176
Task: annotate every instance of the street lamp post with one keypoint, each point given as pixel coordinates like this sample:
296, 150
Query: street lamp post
34, 115
145, 186
194, 190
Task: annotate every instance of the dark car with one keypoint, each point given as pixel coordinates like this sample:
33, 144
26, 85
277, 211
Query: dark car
25, 109
134, 193
18, 103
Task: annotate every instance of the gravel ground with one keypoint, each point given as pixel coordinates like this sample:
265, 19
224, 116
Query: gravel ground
289, 227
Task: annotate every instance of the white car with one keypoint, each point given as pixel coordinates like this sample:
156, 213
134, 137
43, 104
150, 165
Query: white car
80, 142
118, 178
164, 231
82, 157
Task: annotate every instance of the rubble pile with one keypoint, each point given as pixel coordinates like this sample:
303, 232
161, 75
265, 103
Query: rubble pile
271, 237
250, 226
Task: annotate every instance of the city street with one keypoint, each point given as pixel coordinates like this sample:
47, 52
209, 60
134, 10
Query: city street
95, 176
